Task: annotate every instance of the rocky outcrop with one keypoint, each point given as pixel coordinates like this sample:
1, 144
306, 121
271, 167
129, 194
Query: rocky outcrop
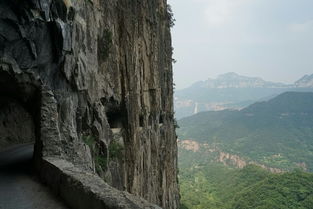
189, 145
96, 79
227, 159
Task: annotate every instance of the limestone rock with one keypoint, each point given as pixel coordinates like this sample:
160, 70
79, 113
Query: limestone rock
83, 69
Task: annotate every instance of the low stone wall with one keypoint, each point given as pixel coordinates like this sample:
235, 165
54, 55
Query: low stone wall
83, 190
96, 79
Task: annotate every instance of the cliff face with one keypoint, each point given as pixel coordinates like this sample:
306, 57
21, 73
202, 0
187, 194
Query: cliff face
96, 79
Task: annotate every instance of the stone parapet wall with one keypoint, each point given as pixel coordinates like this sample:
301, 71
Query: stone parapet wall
85, 69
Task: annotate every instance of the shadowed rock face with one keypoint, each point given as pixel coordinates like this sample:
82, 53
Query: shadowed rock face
96, 79
16, 124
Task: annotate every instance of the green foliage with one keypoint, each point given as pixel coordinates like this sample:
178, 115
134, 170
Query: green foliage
215, 186
100, 160
276, 133
89, 140
101, 163
115, 150
290, 190
182, 206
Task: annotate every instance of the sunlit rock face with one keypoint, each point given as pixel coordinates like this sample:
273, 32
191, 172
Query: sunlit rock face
95, 78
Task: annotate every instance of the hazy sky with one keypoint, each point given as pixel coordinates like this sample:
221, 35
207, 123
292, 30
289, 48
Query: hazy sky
272, 39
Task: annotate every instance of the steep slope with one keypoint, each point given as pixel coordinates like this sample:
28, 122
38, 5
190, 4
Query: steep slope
277, 133
285, 191
214, 186
95, 77
207, 183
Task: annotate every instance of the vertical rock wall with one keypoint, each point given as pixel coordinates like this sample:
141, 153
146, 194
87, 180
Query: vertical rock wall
96, 76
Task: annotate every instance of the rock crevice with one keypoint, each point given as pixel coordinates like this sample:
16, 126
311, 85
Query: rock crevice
96, 77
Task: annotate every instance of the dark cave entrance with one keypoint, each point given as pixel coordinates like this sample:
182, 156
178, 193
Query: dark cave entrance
19, 117
116, 114
116, 118
16, 124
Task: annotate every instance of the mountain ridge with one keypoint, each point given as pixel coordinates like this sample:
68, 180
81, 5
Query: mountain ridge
232, 91
234, 80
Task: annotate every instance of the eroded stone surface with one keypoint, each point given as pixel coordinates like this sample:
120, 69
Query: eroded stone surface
82, 70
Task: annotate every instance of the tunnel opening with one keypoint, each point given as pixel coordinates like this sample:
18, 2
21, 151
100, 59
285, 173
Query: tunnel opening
19, 117
116, 113
116, 118
141, 121
161, 119
16, 124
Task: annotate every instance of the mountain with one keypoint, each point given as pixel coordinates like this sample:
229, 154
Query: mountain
305, 82
231, 91
249, 158
277, 133
233, 80
218, 187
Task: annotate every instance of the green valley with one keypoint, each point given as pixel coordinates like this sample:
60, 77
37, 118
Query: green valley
215, 186
277, 133
255, 158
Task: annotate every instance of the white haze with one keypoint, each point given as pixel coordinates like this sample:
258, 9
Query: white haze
271, 39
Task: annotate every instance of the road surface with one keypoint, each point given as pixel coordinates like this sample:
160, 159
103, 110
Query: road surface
19, 187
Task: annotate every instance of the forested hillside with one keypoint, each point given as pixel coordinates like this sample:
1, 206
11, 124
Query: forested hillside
277, 133
209, 185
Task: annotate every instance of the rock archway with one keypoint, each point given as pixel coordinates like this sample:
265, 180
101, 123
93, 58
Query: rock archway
60, 61
19, 107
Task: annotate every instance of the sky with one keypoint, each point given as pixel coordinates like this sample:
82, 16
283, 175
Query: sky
271, 39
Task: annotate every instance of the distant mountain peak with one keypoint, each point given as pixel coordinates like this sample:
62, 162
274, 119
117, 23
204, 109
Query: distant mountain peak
236, 76
228, 75
232, 91
234, 80
305, 82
